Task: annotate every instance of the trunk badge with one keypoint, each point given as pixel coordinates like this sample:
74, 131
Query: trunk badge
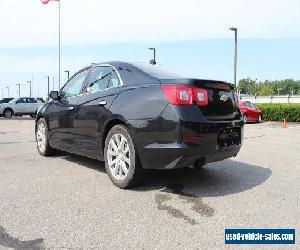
224, 98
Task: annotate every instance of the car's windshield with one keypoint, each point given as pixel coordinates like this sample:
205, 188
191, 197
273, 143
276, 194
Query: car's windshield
6, 100
251, 105
160, 71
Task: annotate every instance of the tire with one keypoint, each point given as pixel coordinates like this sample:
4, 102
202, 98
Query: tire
259, 119
122, 162
8, 113
42, 139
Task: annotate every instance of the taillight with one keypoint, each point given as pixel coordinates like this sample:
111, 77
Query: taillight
201, 96
185, 95
178, 95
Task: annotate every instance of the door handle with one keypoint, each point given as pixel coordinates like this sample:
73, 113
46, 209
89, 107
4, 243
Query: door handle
102, 103
70, 108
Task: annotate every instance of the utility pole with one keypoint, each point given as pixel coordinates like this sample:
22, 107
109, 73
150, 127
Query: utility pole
19, 89
68, 73
48, 80
153, 61
8, 91
29, 88
235, 54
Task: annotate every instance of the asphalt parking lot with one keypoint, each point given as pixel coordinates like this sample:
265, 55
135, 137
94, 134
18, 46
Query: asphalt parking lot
67, 201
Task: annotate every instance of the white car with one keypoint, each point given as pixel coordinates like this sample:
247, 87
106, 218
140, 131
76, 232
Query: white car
20, 106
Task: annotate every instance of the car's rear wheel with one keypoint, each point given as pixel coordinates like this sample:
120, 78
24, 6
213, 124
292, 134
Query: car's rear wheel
8, 113
42, 138
121, 158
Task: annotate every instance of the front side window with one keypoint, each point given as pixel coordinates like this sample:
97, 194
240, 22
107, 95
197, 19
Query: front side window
74, 86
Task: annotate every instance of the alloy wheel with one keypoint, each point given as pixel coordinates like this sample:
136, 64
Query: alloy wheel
41, 137
118, 156
8, 113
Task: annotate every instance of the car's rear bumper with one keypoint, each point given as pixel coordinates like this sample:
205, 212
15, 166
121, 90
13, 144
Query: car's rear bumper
208, 148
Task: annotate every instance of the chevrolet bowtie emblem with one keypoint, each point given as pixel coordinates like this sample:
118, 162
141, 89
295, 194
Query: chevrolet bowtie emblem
224, 98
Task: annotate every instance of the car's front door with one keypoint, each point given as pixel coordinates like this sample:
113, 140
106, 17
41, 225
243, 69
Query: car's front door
93, 106
61, 112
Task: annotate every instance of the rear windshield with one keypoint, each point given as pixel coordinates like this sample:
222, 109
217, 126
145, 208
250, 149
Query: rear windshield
160, 71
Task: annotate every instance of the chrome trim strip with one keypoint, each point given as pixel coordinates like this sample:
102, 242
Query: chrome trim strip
102, 65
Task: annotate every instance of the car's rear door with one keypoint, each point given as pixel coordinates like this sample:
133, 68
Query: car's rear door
19, 106
93, 106
33, 105
61, 113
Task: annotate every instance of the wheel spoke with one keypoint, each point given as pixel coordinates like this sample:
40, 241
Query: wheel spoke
124, 168
112, 152
122, 144
113, 144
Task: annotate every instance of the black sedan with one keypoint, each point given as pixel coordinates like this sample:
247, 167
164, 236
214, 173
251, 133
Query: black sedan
137, 116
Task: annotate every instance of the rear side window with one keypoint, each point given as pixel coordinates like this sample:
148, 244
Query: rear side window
101, 78
31, 100
114, 80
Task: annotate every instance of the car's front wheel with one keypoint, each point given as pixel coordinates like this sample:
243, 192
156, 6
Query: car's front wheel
121, 158
42, 138
259, 119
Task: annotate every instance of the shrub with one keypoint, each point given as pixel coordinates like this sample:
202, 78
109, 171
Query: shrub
278, 111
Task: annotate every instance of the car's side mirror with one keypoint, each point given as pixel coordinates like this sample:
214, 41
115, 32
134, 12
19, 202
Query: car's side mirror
54, 95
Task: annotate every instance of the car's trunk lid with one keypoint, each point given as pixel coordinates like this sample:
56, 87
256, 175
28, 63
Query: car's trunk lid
222, 104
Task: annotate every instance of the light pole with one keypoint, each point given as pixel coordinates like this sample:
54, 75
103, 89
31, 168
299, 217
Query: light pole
59, 36
8, 91
2, 93
19, 89
53, 83
29, 88
153, 61
48, 79
68, 73
235, 54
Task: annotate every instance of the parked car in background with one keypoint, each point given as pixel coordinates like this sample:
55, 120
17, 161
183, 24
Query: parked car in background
6, 100
137, 116
40, 99
20, 106
250, 112
3, 101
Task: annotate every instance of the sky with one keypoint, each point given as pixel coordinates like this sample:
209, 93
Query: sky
190, 35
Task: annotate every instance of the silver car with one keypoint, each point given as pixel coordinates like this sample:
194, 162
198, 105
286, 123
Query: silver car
20, 106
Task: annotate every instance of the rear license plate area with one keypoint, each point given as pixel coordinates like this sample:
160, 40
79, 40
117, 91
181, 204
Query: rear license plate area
228, 137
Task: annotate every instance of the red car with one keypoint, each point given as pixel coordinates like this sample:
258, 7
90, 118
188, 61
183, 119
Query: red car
250, 112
